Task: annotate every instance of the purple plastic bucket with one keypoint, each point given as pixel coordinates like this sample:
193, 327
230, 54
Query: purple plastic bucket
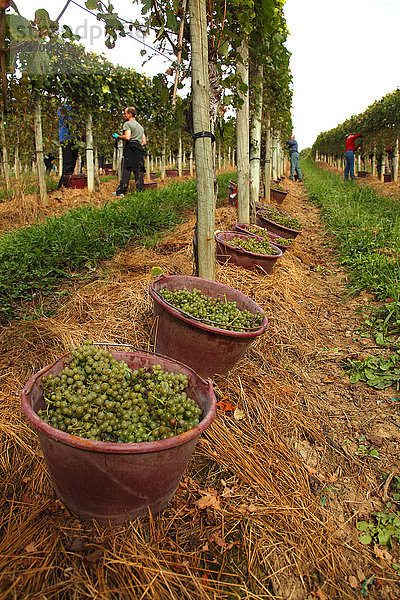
116, 482
77, 181
243, 258
286, 232
244, 228
278, 195
264, 206
205, 348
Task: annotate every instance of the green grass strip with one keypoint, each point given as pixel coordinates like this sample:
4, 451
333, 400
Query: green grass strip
38, 258
366, 228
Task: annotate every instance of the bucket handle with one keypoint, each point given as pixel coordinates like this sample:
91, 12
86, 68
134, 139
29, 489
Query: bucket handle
207, 383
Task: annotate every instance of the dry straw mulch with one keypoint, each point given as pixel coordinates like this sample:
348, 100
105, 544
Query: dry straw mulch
247, 521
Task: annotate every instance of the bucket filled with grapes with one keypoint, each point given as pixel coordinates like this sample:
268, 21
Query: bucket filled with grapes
250, 252
276, 221
255, 230
202, 323
117, 429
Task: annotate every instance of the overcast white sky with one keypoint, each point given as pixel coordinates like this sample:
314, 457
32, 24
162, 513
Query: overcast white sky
344, 54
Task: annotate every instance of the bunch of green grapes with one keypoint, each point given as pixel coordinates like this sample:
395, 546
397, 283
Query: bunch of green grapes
282, 219
99, 398
217, 310
252, 245
262, 232
282, 241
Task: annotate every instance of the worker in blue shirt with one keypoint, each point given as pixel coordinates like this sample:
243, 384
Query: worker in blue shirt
294, 159
67, 142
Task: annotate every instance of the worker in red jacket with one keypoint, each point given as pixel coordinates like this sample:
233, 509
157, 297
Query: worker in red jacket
351, 147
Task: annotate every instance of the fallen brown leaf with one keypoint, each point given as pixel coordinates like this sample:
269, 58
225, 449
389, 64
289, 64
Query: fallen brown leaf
30, 548
353, 581
247, 508
221, 542
208, 501
382, 553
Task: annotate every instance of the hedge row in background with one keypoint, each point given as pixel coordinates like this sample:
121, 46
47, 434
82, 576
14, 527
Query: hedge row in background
379, 124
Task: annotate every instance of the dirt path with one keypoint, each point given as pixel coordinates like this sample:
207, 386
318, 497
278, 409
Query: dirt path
286, 481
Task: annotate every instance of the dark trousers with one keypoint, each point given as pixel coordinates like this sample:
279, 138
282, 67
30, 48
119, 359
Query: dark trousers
125, 177
349, 168
69, 157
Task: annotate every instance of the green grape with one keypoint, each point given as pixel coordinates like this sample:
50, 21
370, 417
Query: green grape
216, 311
277, 216
252, 245
111, 403
264, 233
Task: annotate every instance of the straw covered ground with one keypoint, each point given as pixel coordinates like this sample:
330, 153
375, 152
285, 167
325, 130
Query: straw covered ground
268, 505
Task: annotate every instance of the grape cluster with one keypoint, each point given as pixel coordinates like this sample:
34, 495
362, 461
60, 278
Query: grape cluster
99, 398
282, 219
283, 241
253, 245
262, 232
215, 311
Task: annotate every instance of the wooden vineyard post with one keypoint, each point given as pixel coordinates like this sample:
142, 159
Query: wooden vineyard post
96, 170
89, 152
273, 157
383, 167
373, 162
17, 169
191, 163
180, 156
41, 171
60, 161
267, 167
148, 168
242, 137
163, 154
204, 235
396, 161
255, 142
5, 164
